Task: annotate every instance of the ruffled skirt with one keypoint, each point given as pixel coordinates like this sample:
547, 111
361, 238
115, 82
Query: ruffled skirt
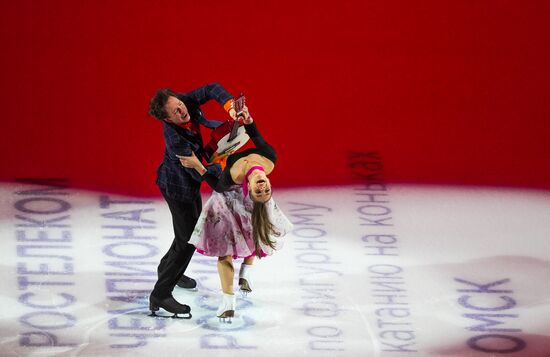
224, 227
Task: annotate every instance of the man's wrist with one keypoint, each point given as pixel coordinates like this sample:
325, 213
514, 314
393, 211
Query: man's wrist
228, 105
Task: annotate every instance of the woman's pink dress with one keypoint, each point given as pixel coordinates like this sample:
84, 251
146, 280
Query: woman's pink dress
224, 227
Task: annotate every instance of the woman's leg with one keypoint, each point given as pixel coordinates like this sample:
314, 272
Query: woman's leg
226, 272
249, 260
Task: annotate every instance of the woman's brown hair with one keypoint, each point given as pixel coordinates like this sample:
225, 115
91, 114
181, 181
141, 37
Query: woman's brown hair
262, 227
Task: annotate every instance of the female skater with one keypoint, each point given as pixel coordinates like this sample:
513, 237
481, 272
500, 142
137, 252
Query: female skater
240, 220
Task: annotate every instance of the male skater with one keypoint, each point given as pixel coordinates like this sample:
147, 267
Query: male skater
180, 186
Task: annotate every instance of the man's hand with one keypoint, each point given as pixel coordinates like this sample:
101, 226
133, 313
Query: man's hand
191, 162
245, 115
233, 114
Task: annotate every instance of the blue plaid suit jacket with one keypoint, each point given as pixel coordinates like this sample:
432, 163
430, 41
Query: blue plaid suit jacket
174, 180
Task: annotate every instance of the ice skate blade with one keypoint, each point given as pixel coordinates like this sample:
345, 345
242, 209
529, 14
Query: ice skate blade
226, 316
186, 316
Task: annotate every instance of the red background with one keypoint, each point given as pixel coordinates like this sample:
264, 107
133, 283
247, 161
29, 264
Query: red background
452, 92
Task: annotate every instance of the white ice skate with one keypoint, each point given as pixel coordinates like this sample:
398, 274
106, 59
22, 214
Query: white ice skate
245, 282
227, 308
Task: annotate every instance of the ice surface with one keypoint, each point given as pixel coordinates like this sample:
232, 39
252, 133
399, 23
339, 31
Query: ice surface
406, 270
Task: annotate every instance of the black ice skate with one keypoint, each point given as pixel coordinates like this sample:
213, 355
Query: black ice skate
169, 304
186, 282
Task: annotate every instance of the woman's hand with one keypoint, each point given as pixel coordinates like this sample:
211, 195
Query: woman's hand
247, 119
